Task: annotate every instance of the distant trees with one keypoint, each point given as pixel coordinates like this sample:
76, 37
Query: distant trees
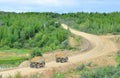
96, 23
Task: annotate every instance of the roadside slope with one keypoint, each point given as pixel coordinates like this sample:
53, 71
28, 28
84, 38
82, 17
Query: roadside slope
101, 46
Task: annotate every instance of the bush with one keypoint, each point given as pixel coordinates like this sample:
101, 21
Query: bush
103, 72
5, 48
17, 45
36, 52
89, 64
81, 67
64, 43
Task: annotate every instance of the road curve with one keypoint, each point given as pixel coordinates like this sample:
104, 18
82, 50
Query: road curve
101, 46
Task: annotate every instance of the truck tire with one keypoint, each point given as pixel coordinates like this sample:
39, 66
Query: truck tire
57, 60
37, 65
66, 59
31, 65
62, 60
43, 65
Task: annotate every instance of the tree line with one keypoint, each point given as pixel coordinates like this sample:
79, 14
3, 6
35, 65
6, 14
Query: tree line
96, 23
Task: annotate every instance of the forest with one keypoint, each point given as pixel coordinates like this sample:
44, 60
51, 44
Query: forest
30, 30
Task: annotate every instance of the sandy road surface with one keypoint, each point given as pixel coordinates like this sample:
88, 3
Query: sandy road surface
101, 46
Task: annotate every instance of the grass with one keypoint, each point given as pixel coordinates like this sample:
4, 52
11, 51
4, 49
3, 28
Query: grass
0, 76
102, 72
11, 61
76, 42
18, 75
85, 71
16, 51
118, 57
91, 70
13, 57
55, 75
58, 75
117, 38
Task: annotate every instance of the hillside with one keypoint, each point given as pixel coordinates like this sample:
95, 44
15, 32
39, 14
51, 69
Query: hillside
29, 30
95, 23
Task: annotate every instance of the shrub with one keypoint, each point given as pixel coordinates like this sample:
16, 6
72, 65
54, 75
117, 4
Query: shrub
89, 64
36, 52
5, 48
103, 72
17, 45
81, 67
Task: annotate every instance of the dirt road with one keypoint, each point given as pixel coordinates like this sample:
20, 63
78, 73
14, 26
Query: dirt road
101, 46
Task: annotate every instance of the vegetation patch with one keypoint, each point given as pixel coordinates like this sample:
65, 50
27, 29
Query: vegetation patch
95, 23
18, 75
58, 75
15, 51
118, 57
37, 75
103, 72
11, 60
83, 71
35, 52
86, 71
117, 38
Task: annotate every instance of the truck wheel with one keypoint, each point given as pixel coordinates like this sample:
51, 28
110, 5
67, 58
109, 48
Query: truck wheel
43, 65
62, 60
31, 65
57, 60
66, 60
37, 65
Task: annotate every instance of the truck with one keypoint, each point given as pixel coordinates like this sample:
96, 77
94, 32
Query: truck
37, 62
61, 57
